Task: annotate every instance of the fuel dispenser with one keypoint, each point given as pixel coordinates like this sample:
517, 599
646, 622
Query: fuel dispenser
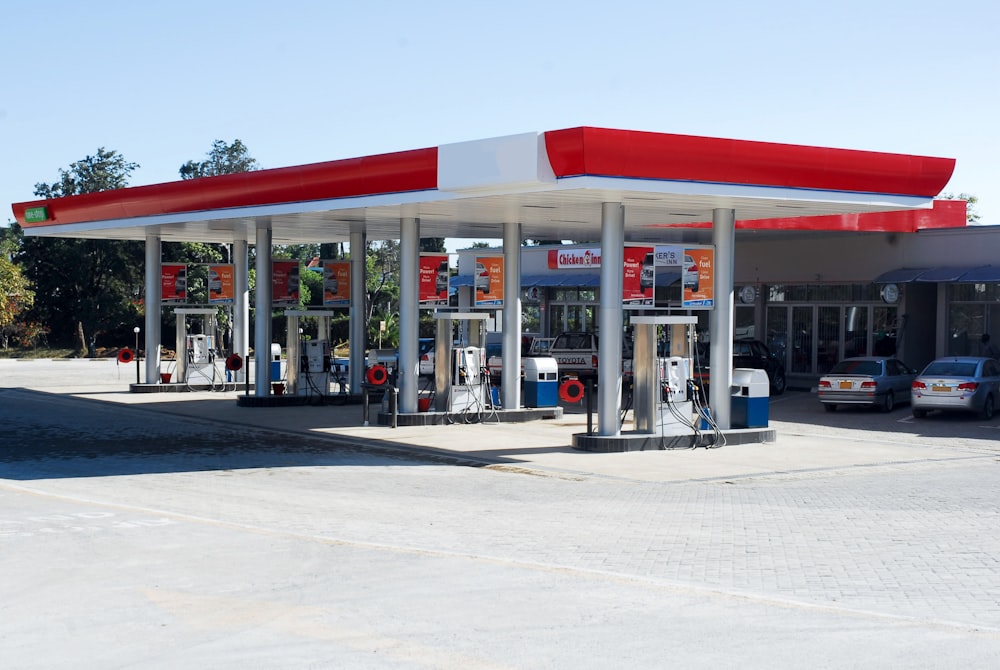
462, 386
469, 379
196, 353
308, 370
199, 350
664, 398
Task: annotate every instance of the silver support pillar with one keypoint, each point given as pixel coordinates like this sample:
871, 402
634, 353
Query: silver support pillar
510, 392
262, 327
292, 352
356, 365
241, 306
720, 320
409, 309
609, 322
154, 305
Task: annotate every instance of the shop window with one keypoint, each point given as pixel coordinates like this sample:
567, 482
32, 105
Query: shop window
965, 327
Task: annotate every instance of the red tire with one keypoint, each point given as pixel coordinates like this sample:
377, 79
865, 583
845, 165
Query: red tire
571, 390
125, 356
234, 362
377, 375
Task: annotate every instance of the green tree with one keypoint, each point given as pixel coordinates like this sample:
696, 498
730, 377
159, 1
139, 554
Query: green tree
84, 288
382, 290
16, 296
432, 244
222, 159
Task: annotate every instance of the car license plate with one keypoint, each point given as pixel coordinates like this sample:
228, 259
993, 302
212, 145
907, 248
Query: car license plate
845, 385
941, 387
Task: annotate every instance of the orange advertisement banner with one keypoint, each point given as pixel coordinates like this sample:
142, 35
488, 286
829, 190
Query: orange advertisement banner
487, 280
337, 283
221, 287
698, 278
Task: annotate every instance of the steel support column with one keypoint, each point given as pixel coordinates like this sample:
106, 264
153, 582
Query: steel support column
409, 310
262, 326
511, 348
609, 348
720, 319
356, 366
154, 305
241, 305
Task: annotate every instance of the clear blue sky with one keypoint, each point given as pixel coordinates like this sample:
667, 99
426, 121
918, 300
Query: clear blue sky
302, 82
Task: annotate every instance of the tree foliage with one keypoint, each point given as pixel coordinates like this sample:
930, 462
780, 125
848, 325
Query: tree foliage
85, 288
16, 295
222, 159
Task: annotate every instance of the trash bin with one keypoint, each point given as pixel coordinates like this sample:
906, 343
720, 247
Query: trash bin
275, 362
750, 398
541, 382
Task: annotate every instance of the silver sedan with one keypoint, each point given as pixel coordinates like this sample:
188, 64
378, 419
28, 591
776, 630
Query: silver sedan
957, 383
866, 380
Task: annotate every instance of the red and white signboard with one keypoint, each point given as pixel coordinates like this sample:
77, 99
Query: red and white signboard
173, 282
285, 282
435, 279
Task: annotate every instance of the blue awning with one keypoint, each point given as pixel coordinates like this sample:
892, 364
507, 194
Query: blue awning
942, 274
986, 274
900, 276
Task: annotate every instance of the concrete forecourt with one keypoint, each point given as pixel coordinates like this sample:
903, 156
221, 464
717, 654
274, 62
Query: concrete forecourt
172, 530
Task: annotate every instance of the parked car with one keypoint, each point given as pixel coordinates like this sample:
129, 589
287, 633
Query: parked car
747, 353
425, 352
443, 274
690, 274
875, 381
482, 278
957, 383
647, 275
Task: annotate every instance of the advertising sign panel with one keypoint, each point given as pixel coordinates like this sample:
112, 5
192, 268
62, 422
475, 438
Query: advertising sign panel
563, 259
221, 289
488, 280
173, 282
336, 283
435, 279
698, 277
285, 282
638, 276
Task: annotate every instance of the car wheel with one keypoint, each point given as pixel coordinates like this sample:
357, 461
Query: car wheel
778, 383
919, 413
888, 403
987, 411
829, 407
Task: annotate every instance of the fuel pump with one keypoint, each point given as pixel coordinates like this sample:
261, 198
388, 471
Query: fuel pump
663, 389
308, 371
196, 352
461, 382
314, 369
469, 379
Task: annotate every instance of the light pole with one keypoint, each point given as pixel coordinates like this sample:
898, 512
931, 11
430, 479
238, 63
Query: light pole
136, 331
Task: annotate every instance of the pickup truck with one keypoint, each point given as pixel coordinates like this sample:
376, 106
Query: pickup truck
575, 354
531, 346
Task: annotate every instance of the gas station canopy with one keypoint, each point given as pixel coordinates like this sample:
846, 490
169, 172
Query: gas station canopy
551, 183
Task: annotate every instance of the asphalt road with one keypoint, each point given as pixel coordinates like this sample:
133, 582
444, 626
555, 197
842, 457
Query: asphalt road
139, 538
